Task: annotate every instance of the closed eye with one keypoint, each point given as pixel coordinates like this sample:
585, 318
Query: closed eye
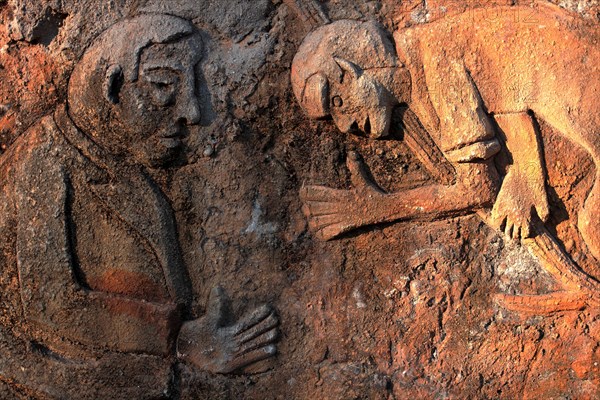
162, 77
164, 85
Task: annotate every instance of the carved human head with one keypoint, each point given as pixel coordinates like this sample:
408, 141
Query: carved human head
348, 70
134, 90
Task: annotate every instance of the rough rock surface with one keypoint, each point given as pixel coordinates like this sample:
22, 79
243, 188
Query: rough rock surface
395, 311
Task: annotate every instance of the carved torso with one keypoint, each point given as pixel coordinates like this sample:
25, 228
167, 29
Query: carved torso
110, 256
518, 58
94, 261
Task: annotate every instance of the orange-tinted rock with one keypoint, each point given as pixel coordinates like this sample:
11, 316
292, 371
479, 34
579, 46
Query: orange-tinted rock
168, 268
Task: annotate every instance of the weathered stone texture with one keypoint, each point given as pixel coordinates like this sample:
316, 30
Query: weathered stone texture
398, 310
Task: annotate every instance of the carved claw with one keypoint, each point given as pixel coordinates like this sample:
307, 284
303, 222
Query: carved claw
515, 205
224, 349
359, 175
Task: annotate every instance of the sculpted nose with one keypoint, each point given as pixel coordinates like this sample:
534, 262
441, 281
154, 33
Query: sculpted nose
189, 106
380, 119
192, 112
189, 110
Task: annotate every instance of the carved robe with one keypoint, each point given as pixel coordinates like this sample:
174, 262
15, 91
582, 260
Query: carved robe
101, 280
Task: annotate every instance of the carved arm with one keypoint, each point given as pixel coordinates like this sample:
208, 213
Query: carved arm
332, 212
53, 301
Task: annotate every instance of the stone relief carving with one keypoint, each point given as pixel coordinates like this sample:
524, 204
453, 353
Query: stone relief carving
465, 93
393, 311
102, 288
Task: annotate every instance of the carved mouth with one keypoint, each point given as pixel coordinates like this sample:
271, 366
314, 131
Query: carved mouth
172, 139
176, 133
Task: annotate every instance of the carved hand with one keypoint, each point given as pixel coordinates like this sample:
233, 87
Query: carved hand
209, 345
520, 194
331, 212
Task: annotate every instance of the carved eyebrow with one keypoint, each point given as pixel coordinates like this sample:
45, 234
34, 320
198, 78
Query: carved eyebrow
177, 68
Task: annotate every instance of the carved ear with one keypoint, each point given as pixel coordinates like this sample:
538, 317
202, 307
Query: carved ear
315, 98
348, 67
113, 81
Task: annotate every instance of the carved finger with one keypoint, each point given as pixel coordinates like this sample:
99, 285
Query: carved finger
300, 7
543, 304
332, 231
315, 209
316, 223
506, 227
543, 211
260, 341
255, 331
218, 305
320, 16
254, 356
306, 210
502, 224
526, 230
516, 234
248, 321
259, 367
358, 174
509, 228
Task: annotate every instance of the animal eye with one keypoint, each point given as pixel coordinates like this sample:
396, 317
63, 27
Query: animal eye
337, 101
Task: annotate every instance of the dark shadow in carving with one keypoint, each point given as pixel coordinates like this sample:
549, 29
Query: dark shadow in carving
48, 27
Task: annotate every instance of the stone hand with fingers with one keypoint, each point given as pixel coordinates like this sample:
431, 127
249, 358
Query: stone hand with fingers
332, 212
214, 345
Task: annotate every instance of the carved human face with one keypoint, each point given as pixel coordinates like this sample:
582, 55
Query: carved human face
361, 101
155, 110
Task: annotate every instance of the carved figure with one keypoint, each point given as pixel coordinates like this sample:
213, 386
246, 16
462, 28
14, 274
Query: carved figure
102, 287
472, 84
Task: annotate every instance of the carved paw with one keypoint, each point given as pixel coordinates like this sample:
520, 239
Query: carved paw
225, 349
516, 202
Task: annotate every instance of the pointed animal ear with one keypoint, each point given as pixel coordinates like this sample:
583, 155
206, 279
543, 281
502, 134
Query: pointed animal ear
113, 81
348, 67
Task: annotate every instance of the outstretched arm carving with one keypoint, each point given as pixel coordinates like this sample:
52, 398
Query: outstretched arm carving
332, 212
